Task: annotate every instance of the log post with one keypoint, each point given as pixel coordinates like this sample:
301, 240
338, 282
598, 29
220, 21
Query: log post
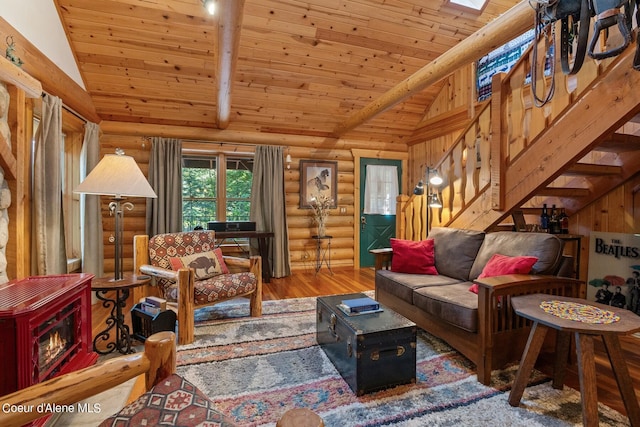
160, 348
186, 302
255, 266
140, 258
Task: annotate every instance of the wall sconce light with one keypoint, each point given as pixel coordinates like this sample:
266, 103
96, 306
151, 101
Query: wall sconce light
288, 160
210, 6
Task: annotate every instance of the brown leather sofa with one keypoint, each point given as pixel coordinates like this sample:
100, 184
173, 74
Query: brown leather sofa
482, 327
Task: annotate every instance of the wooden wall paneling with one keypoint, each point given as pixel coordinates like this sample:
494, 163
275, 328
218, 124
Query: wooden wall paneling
632, 205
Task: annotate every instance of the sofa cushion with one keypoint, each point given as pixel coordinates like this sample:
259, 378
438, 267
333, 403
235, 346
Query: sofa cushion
455, 250
453, 304
173, 401
204, 264
218, 288
402, 284
500, 265
546, 247
414, 257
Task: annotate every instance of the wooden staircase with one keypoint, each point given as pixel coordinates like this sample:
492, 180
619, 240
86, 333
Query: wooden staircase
515, 156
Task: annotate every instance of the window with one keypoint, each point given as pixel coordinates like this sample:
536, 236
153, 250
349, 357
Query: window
72, 135
500, 60
211, 193
471, 4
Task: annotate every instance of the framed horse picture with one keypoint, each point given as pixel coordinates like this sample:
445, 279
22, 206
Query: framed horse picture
318, 179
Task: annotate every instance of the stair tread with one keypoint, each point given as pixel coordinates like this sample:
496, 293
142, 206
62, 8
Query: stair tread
619, 142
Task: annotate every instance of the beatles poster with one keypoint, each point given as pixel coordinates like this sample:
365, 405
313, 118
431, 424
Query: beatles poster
614, 270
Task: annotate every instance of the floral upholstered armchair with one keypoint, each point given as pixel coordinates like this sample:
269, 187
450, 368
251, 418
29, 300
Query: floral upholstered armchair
191, 272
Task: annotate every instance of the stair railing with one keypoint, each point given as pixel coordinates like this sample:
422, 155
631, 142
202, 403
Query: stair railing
502, 130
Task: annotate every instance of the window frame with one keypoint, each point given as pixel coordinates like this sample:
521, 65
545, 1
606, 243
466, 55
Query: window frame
222, 153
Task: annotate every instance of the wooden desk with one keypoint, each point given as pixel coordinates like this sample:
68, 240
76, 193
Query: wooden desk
263, 246
528, 306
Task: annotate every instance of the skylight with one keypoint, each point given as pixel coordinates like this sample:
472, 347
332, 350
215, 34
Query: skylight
472, 4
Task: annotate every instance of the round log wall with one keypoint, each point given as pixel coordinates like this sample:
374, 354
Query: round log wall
340, 224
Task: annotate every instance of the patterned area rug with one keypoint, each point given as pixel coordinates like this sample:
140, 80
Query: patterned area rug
256, 369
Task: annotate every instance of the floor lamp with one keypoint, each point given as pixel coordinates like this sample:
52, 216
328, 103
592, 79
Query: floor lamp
118, 176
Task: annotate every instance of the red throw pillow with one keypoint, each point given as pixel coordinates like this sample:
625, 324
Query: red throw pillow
503, 264
415, 257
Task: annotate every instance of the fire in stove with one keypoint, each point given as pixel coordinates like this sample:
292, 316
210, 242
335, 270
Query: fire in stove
51, 349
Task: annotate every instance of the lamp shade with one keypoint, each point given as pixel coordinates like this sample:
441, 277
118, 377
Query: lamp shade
418, 190
116, 175
434, 201
435, 178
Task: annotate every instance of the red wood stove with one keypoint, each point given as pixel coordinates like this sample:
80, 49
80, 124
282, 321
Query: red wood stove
45, 329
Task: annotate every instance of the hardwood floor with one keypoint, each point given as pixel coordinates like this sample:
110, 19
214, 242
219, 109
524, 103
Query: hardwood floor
349, 280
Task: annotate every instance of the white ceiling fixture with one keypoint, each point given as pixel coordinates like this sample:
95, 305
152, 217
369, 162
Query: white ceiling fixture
210, 5
471, 4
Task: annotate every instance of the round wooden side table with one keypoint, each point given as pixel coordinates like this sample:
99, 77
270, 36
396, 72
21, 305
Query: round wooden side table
300, 417
103, 286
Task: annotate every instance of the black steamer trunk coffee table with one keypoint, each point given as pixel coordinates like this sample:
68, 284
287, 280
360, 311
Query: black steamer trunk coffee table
371, 351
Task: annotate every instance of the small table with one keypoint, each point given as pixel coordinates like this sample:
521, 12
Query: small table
263, 246
115, 320
529, 306
323, 254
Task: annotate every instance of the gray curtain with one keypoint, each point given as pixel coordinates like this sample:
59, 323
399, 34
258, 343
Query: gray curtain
49, 252
268, 208
90, 209
164, 214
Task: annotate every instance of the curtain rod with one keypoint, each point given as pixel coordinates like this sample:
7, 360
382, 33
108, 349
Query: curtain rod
69, 109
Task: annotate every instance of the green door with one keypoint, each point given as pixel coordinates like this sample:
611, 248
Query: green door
375, 229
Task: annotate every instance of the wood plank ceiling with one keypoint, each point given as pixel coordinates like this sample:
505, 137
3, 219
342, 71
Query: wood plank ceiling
302, 67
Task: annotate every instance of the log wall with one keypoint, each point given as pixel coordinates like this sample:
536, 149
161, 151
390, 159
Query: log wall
342, 222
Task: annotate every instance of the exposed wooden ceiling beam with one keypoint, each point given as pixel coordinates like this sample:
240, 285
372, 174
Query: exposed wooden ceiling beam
229, 26
506, 27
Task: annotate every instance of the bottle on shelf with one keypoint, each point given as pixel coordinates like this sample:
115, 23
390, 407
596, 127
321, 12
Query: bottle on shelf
544, 219
554, 221
564, 222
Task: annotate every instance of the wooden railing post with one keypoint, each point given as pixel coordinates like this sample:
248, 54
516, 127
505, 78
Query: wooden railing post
498, 141
160, 348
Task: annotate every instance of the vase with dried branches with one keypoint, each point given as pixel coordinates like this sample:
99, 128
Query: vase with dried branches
320, 205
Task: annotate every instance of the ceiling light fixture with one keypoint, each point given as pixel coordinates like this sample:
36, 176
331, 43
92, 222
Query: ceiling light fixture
210, 5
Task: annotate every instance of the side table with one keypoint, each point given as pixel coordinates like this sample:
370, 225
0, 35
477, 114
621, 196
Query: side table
102, 287
323, 252
586, 320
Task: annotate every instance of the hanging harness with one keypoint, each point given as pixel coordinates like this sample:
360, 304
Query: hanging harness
574, 17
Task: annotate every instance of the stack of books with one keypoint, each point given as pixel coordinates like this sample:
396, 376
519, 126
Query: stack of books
153, 305
357, 306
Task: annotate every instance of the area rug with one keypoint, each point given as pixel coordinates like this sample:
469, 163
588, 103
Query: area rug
255, 369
